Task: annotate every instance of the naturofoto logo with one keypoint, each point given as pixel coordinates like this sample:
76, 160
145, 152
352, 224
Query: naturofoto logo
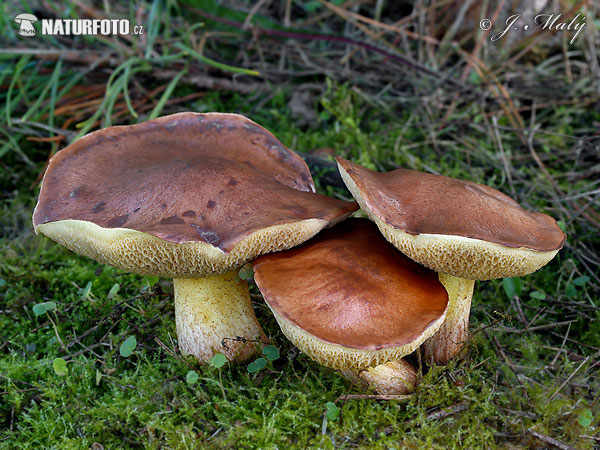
25, 22
77, 27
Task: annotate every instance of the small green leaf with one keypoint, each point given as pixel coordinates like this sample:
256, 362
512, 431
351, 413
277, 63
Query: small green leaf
246, 273
512, 287
581, 281
540, 295
149, 281
41, 308
85, 292
2, 282
113, 291
586, 418
257, 365
571, 291
218, 360
128, 346
191, 377
473, 77
333, 412
271, 352
561, 225
311, 6
98, 377
60, 367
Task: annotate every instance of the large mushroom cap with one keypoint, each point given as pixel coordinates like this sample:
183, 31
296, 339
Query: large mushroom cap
185, 195
349, 299
458, 227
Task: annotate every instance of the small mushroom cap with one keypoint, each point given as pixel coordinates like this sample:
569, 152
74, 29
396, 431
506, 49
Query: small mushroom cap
458, 227
222, 185
25, 16
349, 299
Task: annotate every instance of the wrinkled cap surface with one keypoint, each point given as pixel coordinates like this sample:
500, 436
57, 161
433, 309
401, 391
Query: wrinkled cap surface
422, 203
349, 286
213, 178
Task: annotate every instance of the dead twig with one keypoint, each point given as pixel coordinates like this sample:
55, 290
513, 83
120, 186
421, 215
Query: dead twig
536, 328
551, 441
569, 378
449, 411
172, 353
398, 397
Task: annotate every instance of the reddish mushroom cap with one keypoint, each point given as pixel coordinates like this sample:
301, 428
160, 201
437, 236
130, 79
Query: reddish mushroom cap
348, 286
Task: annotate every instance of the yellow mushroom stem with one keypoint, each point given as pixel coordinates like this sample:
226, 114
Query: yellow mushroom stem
449, 339
213, 311
394, 377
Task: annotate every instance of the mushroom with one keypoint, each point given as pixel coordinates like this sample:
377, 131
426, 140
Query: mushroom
26, 20
464, 230
351, 301
189, 196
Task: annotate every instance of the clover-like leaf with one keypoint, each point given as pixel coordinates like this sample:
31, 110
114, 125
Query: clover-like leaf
60, 367
128, 346
586, 418
113, 291
271, 352
257, 365
540, 295
581, 281
149, 281
246, 273
512, 287
191, 377
85, 292
570, 291
312, 6
44, 307
218, 360
333, 412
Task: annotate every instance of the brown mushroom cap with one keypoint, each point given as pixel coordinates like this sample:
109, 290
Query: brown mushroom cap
454, 226
218, 183
350, 295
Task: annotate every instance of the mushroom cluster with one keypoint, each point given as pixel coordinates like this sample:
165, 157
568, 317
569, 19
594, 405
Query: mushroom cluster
191, 197
196, 196
352, 302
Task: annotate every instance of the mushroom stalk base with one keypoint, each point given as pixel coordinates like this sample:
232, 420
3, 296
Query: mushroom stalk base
448, 341
394, 377
214, 315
